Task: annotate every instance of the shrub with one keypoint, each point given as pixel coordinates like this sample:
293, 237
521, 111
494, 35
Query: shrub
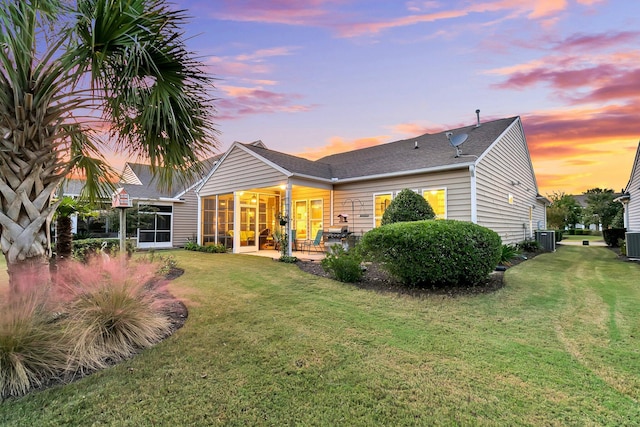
407, 206
112, 312
436, 253
216, 248
622, 244
612, 235
288, 259
529, 245
31, 344
85, 249
559, 235
343, 265
508, 253
165, 264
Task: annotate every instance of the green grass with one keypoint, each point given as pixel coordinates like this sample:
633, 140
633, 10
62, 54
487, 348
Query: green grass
266, 344
597, 238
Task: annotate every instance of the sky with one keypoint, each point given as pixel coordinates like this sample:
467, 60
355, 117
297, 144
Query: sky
317, 77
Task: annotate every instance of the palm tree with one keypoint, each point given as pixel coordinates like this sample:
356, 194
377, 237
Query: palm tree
72, 72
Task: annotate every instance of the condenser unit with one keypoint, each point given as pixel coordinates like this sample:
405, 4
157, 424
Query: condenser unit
547, 239
633, 244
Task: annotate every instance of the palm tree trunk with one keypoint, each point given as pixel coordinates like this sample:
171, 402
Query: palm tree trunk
64, 240
26, 212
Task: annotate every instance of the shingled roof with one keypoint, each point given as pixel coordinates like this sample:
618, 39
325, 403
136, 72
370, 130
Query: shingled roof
433, 151
293, 164
143, 186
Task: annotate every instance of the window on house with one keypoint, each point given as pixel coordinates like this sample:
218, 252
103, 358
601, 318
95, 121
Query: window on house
437, 198
381, 202
315, 217
154, 223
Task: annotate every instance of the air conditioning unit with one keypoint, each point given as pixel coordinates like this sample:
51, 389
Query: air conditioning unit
633, 244
547, 239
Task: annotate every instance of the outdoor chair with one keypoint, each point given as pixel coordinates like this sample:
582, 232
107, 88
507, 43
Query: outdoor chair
315, 243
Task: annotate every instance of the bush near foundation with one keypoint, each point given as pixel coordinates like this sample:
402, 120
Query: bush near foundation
407, 206
434, 253
344, 265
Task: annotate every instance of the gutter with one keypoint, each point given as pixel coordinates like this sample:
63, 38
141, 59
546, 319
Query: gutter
402, 173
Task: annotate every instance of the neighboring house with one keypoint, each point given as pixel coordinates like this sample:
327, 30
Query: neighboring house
491, 183
164, 218
630, 198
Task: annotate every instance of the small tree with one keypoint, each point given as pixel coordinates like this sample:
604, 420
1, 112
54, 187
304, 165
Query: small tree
408, 206
564, 211
601, 209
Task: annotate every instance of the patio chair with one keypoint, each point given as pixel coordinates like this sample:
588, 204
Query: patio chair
315, 243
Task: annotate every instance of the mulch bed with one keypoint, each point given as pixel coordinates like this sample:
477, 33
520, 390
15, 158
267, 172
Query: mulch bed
376, 279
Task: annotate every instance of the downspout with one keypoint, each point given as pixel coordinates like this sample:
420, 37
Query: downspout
331, 208
474, 196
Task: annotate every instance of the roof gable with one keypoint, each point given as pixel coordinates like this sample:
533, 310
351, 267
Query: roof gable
635, 172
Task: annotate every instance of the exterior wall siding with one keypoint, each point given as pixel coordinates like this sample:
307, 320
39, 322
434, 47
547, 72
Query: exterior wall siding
241, 171
185, 219
356, 199
506, 170
633, 189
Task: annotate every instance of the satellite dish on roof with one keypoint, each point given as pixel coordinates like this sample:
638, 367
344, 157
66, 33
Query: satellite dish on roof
457, 141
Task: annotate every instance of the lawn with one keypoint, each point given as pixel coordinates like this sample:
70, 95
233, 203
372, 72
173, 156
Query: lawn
596, 238
266, 344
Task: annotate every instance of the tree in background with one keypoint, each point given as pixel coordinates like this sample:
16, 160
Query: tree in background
601, 209
407, 206
71, 68
564, 211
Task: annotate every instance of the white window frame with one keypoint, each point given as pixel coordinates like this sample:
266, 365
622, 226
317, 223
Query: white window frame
384, 193
446, 199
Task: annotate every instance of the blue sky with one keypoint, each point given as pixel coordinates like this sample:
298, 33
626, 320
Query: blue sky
312, 77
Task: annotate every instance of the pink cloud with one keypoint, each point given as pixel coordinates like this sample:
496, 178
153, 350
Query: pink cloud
327, 13
290, 12
242, 101
340, 145
592, 42
245, 64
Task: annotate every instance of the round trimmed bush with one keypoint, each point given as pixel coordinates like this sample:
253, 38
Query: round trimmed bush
434, 253
407, 206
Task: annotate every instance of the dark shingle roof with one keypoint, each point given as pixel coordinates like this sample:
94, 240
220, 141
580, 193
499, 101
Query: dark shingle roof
433, 151
149, 188
401, 156
294, 164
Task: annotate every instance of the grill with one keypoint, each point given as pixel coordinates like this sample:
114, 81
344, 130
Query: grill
336, 235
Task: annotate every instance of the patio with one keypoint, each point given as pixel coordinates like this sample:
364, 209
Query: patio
301, 255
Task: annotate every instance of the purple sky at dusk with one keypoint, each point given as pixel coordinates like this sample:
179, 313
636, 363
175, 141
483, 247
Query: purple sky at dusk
312, 77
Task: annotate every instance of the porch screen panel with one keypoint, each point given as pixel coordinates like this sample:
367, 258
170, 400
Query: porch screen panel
225, 220
209, 220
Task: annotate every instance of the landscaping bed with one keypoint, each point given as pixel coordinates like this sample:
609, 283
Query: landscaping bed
377, 279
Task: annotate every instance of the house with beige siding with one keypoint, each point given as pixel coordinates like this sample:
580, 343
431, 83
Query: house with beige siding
630, 197
487, 179
165, 217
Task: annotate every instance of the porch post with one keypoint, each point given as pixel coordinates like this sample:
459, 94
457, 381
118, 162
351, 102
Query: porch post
287, 212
